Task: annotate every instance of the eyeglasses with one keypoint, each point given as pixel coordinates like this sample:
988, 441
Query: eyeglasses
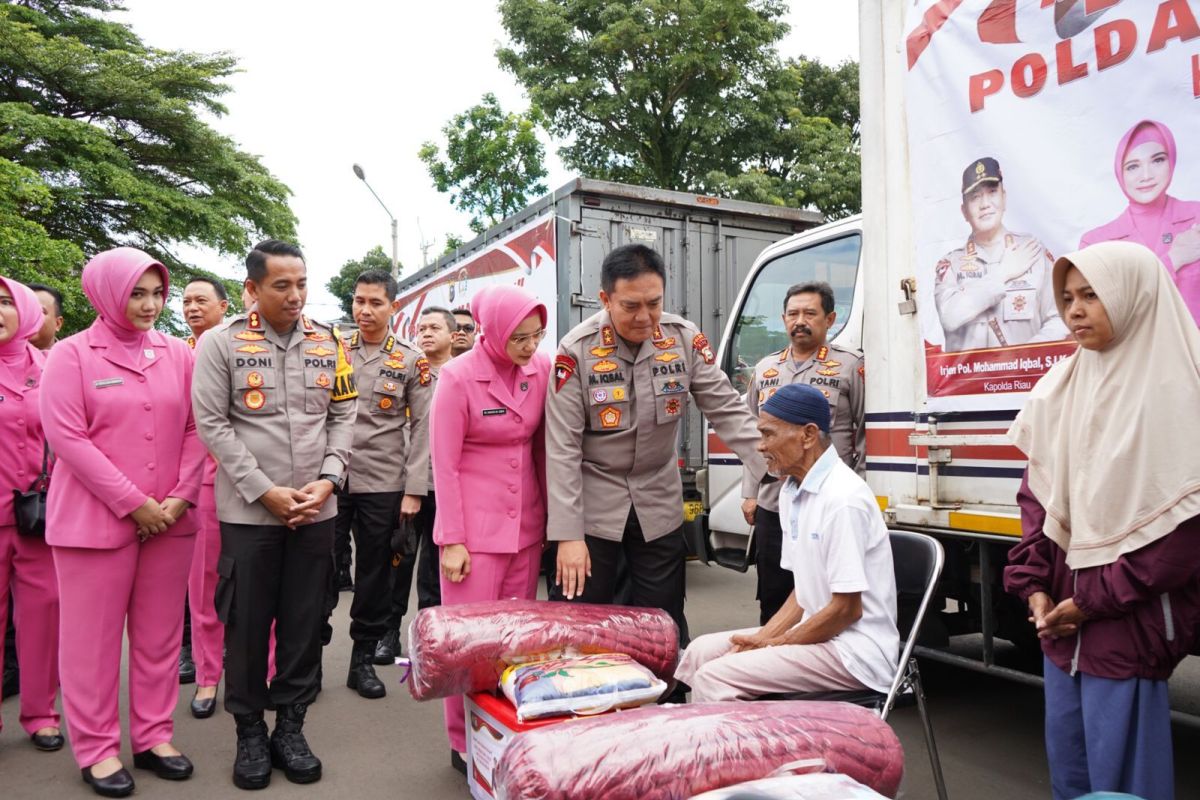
525, 338
466, 327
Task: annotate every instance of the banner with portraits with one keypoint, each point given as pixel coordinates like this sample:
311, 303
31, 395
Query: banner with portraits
1037, 127
526, 258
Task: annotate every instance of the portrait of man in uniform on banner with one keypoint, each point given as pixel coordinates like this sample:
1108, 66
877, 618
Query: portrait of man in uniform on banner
995, 290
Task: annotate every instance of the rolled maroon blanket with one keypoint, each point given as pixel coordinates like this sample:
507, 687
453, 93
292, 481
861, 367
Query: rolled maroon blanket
674, 752
464, 648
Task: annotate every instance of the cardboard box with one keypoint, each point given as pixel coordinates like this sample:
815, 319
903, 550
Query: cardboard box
491, 723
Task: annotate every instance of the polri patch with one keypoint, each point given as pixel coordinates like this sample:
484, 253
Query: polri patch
564, 368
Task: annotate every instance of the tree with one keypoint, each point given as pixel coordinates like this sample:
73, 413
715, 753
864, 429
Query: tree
642, 89
111, 130
689, 95
341, 285
798, 146
492, 164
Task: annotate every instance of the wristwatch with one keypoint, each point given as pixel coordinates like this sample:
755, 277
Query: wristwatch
334, 479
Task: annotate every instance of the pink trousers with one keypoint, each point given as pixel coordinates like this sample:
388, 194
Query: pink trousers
27, 567
715, 673
139, 587
493, 576
208, 634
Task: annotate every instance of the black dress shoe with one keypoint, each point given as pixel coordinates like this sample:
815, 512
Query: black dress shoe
187, 667
203, 709
458, 762
387, 649
119, 784
48, 742
170, 768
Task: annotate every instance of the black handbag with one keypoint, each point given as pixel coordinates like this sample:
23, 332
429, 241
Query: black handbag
405, 539
29, 507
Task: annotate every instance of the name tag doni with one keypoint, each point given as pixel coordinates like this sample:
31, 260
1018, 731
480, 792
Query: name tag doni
104, 384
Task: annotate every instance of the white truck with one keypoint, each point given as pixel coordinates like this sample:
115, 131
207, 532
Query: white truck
945, 86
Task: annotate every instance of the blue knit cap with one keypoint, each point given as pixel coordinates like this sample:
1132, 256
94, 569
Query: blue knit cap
799, 404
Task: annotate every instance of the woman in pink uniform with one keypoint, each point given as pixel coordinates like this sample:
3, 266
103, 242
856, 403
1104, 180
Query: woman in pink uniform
1145, 164
128, 468
488, 452
26, 564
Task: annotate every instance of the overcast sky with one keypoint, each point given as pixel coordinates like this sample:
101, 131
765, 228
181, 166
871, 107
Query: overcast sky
325, 85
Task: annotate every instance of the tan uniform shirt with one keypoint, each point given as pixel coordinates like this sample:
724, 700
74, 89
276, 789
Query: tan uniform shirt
612, 417
979, 310
274, 410
839, 374
395, 386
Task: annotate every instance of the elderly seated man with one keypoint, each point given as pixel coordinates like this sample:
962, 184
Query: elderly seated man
837, 630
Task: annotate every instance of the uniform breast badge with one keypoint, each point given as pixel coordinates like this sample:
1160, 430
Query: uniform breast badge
323, 380
252, 349
771, 373
254, 380
673, 405
604, 366
610, 417
665, 344
320, 351
666, 358
618, 393
254, 399
385, 403
600, 396
602, 352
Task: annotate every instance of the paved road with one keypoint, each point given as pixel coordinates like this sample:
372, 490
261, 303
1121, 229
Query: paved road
988, 732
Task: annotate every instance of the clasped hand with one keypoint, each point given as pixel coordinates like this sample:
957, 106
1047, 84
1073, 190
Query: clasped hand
1054, 621
294, 507
153, 517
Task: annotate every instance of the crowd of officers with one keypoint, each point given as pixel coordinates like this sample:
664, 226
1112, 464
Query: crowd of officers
297, 413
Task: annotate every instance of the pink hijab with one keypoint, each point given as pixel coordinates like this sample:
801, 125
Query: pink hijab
108, 281
499, 310
14, 351
1148, 218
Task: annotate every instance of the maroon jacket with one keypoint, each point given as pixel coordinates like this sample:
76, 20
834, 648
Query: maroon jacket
1142, 610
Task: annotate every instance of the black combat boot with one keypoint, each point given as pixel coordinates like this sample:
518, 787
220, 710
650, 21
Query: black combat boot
252, 767
388, 648
289, 748
362, 677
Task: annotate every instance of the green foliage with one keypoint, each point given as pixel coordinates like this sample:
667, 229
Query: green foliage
341, 285
492, 164
453, 242
688, 95
112, 129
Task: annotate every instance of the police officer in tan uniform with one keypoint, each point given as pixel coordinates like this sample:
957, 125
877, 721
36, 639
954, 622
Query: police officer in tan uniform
388, 477
808, 314
621, 382
274, 400
995, 291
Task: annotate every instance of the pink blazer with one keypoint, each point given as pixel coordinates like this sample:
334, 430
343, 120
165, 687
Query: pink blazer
20, 431
121, 433
1181, 215
489, 455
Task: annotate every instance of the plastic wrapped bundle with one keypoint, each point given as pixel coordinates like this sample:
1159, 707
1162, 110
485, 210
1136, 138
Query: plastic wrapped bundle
674, 752
817, 786
579, 685
465, 648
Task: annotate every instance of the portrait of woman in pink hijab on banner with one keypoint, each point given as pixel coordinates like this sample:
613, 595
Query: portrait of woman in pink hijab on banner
1144, 165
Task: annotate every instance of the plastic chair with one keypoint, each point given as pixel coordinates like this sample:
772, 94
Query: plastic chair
917, 561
